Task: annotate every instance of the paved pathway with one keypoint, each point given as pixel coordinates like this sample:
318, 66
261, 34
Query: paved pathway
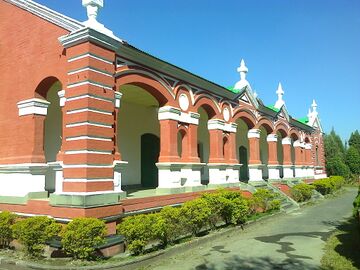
293, 241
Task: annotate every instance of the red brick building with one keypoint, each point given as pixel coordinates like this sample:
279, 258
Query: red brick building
85, 116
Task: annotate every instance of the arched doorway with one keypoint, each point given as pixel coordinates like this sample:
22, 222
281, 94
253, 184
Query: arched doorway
150, 150
243, 158
138, 131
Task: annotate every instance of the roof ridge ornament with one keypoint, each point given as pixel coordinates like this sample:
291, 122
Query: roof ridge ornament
92, 10
280, 92
242, 69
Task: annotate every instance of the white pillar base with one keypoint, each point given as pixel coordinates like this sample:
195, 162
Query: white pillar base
119, 166
179, 175
274, 172
255, 172
300, 171
222, 173
18, 180
310, 172
57, 166
288, 171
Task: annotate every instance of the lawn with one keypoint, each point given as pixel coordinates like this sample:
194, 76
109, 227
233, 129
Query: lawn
342, 249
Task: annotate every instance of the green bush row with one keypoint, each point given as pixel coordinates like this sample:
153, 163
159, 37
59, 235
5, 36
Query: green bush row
79, 238
302, 192
193, 217
329, 185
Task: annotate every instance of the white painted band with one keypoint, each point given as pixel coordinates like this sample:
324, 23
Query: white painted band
254, 133
272, 138
89, 69
88, 110
75, 152
89, 83
88, 96
78, 138
89, 55
286, 140
88, 124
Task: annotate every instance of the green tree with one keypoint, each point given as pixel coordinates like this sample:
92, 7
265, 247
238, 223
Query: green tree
335, 155
354, 140
352, 160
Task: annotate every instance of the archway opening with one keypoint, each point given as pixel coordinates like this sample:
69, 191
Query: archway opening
281, 134
138, 137
48, 89
264, 152
204, 144
242, 144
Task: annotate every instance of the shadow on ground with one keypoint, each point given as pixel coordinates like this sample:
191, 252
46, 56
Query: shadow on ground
349, 238
263, 263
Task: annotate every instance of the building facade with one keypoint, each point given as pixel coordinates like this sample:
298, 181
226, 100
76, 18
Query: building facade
85, 116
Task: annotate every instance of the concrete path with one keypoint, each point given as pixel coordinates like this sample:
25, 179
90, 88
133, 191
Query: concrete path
293, 241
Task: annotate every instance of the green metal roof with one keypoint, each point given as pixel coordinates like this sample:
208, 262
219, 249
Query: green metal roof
233, 89
303, 120
272, 107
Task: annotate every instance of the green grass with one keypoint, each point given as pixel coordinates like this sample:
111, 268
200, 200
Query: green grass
342, 249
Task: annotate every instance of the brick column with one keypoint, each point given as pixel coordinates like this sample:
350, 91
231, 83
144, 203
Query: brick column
254, 145
298, 159
216, 146
273, 164
191, 151
231, 149
288, 167
272, 144
255, 165
168, 141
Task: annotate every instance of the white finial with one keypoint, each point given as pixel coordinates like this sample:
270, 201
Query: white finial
280, 92
242, 70
309, 115
314, 105
92, 8
255, 94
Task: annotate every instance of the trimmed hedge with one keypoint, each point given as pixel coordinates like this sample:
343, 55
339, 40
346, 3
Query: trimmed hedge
81, 236
33, 233
194, 217
329, 185
302, 192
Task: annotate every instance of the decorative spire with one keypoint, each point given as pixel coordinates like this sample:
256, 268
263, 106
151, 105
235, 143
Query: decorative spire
242, 70
280, 92
92, 8
314, 106
309, 115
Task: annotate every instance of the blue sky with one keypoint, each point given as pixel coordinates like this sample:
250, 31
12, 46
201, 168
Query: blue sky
311, 46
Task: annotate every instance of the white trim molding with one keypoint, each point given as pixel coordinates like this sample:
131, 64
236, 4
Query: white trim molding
254, 133
33, 106
221, 125
172, 113
272, 138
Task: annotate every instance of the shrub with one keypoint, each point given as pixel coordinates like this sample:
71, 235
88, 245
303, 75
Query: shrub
265, 200
33, 232
196, 214
138, 231
81, 236
168, 225
302, 192
228, 206
329, 185
7, 219
323, 186
336, 182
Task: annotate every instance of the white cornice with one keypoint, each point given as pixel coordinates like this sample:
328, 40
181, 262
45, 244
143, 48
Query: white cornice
48, 14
